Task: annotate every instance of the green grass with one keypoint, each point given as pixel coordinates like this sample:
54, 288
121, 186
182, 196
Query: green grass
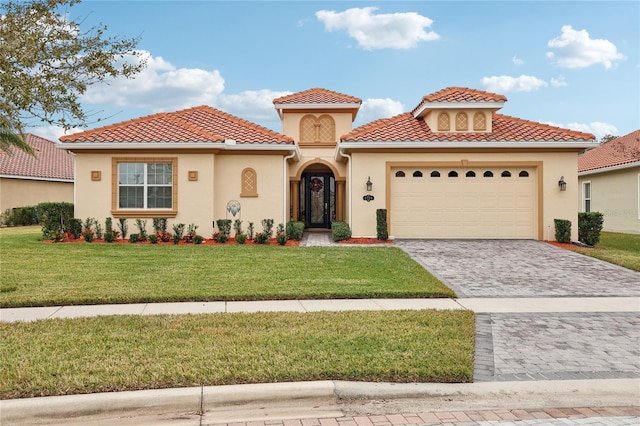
620, 249
117, 353
37, 273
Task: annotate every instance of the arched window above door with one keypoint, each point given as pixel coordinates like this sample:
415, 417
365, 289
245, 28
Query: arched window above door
317, 130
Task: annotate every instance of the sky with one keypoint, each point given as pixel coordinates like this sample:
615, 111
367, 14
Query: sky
573, 64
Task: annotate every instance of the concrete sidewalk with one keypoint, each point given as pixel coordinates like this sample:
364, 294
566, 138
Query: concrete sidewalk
478, 305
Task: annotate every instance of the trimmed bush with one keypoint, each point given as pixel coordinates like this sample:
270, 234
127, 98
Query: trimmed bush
134, 238
20, 216
153, 238
74, 226
53, 217
381, 224
197, 239
340, 231
241, 238
563, 230
124, 228
295, 230
589, 227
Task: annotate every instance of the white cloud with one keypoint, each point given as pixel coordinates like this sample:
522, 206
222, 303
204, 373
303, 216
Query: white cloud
517, 61
382, 31
558, 82
253, 105
373, 109
598, 128
160, 87
52, 133
574, 49
506, 83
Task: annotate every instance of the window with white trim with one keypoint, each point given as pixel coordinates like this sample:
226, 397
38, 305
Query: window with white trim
586, 196
145, 185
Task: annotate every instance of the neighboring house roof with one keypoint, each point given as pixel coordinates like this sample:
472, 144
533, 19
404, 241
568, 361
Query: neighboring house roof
618, 152
192, 125
50, 163
405, 127
317, 96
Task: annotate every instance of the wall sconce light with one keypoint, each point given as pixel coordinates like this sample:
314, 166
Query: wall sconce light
369, 184
562, 184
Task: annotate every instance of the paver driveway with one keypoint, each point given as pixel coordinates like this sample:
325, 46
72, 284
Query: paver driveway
519, 268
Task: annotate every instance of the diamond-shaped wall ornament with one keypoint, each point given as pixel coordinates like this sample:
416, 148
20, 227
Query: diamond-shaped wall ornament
233, 207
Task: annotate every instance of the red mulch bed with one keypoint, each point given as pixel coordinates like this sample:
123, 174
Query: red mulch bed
207, 242
564, 245
361, 240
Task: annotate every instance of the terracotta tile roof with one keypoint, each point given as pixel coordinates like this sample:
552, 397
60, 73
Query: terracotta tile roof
198, 124
617, 152
317, 96
405, 127
460, 94
50, 163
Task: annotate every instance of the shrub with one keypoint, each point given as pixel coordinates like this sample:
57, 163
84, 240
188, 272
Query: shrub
124, 228
109, 236
221, 237
142, 229
98, 229
237, 226
295, 230
108, 225
224, 225
340, 231
197, 239
589, 227
153, 238
563, 230
160, 225
191, 233
175, 238
241, 238
21, 216
178, 230
88, 235
267, 227
381, 224
250, 231
53, 217
74, 226
281, 237
134, 238
261, 238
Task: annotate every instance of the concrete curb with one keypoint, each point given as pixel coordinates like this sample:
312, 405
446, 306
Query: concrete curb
199, 400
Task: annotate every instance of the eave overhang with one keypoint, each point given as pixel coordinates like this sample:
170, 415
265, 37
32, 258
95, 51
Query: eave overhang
610, 168
424, 108
347, 107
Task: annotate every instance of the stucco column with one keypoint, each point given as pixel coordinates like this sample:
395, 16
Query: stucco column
340, 200
295, 199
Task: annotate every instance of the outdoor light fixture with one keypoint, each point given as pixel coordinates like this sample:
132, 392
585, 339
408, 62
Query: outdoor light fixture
369, 184
562, 184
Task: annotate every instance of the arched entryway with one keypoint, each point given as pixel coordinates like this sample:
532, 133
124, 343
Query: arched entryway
318, 196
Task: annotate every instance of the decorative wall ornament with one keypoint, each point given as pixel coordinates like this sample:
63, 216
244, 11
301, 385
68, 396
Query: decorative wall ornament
233, 207
368, 198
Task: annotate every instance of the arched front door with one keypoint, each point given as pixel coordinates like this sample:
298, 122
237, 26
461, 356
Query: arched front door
318, 199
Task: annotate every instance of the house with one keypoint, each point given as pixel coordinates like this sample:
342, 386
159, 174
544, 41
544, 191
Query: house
450, 168
26, 180
609, 179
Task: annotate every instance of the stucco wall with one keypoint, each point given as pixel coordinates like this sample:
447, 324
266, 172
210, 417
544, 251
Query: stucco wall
25, 192
556, 204
199, 201
615, 195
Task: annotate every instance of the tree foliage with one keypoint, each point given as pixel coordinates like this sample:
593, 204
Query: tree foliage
607, 138
48, 61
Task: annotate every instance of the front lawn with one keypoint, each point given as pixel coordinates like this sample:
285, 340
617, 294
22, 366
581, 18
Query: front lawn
36, 273
621, 249
70, 356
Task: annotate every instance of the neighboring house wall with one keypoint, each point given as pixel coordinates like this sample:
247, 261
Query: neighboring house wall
28, 192
205, 184
615, 195
556, 205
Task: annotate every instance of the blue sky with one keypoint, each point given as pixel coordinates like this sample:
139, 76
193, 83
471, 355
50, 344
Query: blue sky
575, 64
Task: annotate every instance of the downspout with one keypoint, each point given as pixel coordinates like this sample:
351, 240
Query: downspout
349, 198
285, 182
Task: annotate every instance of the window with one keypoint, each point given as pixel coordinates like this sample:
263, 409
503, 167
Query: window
435, 174
506, 173
479, 121
488, 173
417, 173
586, 196
443, 122
523, 173
470, 174
453, 174
145, 185
462, 121
400, 174
249, 181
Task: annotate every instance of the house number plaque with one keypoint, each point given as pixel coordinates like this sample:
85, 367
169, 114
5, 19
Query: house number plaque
368, 198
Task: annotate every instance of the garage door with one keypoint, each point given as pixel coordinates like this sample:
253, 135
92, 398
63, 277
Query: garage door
489, 202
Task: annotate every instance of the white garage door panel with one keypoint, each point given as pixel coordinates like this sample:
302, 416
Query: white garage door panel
474, 207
